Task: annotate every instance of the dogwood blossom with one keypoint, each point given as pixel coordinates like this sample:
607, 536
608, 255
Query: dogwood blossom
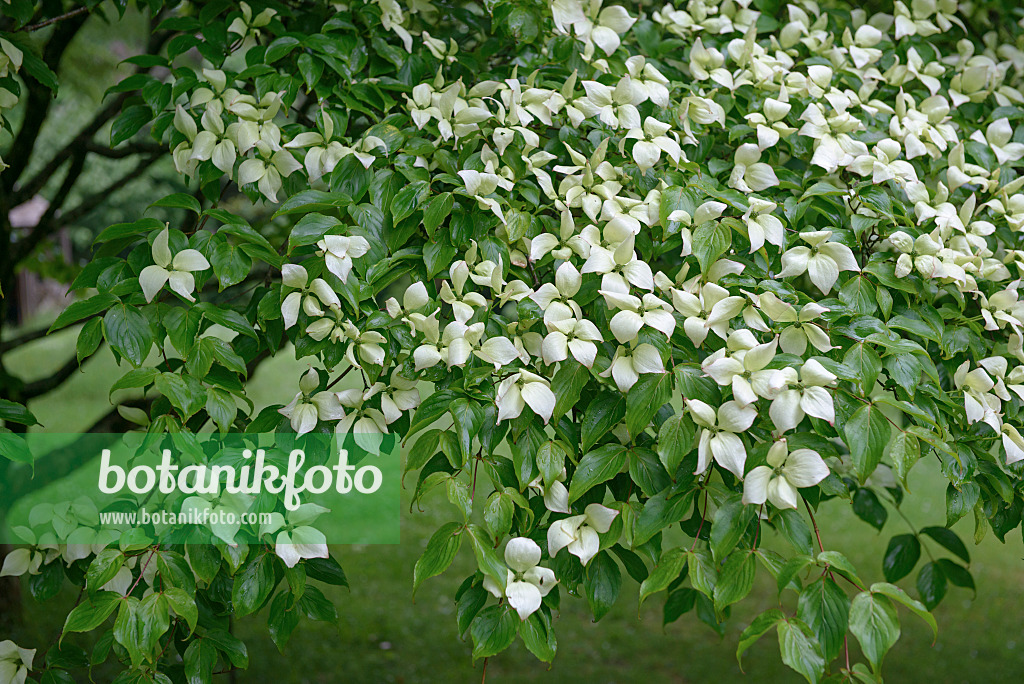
719, 435
579, 534
175, 269
822, 261
786, 471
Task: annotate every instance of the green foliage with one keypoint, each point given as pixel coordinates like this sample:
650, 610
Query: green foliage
706, 270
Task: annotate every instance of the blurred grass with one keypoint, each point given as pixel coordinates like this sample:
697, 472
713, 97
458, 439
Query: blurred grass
384, 636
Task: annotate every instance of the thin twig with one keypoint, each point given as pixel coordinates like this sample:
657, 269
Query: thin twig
54, 20
814, 522
143, 571
703, 516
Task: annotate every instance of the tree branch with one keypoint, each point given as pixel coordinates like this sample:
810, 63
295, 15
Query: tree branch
46, 225
24, 338
38, 103
37, 388
30, 188
54, 20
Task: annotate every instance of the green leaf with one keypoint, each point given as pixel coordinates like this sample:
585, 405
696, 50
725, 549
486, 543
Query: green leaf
230, 264
647, 472
103, 568
874, 622
468, 418
868, 508
901, 556
735, 580
800, 649
794, 528
659, 512
76, 311
602, 584
221, 407
867, 432
931, 584
864, 361
596, 467
567, 385
904, 452
675, 441
493, 630
130, 122
664, 573
825, 607
408, 199
128, 333
550, 461
439, 554
904, 599
89, 338
92, 612
841, 564
326, 570
498, 513
230, 645
199, 660
487, 558
538, 637
758, 628
179, 200
645, 399
184, 606
12, 412
436, 211
432, 408
710, 242
960, 501
729, 522
604, 412
313, 200
137, 377
230, 319
253, 585
949, 540
310, 229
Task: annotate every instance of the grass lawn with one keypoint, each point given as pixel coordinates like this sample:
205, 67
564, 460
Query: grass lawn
383, 636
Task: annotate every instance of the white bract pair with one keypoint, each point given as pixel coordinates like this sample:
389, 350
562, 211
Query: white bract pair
527, 583
786, 471
175, 269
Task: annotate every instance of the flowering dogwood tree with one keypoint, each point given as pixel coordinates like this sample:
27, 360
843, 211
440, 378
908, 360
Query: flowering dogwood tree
641, 287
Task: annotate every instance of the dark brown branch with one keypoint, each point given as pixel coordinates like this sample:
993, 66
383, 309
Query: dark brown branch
40, 387
94, 200
27, 190
24, 338
38, 103
46, 225
54, 20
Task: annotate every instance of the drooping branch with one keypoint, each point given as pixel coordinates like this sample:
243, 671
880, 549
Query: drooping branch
24, 338
40, 387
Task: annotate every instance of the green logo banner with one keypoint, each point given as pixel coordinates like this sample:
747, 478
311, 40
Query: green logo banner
136, 489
